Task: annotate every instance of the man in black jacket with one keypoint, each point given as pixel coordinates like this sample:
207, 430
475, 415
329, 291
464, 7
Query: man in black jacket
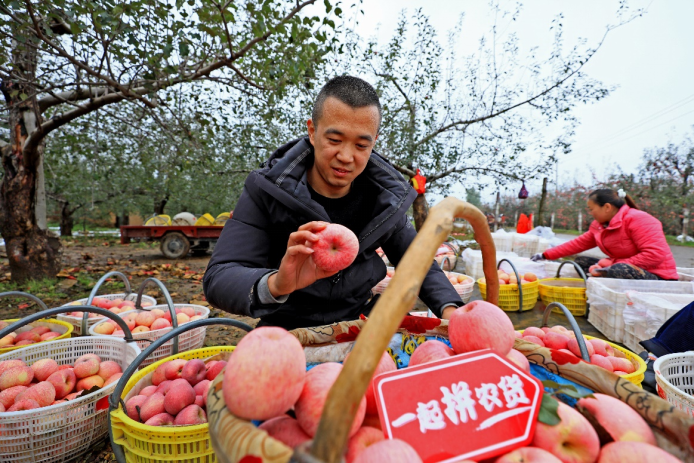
262, 265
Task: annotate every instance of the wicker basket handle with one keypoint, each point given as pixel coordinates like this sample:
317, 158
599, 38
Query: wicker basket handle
574, 327
518, 282
344, 397
114, 399
67, 309
169, 302
578, 268
27, 295
95, 290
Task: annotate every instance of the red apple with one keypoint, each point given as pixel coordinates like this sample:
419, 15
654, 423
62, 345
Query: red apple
16, 376
162, 419
133, 407
21, 405
533, 339
528, 455
573, 440
519, 359
336, 248
554, 340
191, 415
43, 393
286, 430
179, 396
8, 395
480, 325
174, 369
573, 347
634, 452
63, 381
620, 421
193, 371
388, 451
601, 361
153, 405
265, 374
363, 438
159, 375
534, 331
429, 351
214, 368
309, 407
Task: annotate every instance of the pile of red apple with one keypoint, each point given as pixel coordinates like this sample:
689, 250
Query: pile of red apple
146, 320
24, 338
177, 395
602, 263
116, 306
511, 279
601, 353
45, 382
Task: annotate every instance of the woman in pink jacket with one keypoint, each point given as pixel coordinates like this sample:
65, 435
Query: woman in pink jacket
632, 239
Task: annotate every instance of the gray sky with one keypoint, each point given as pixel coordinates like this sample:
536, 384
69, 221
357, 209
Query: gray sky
651, 60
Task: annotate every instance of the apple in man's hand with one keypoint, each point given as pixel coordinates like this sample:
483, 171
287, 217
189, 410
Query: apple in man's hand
336, 249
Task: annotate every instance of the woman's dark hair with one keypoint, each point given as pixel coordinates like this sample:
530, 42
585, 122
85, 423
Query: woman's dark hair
606, 196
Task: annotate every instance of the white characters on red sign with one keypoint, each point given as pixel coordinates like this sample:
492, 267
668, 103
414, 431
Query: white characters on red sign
460, 406
514, 394
458, 399
488, 396
430, 416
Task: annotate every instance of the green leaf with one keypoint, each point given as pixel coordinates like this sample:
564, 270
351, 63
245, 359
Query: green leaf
548, 411
23, 96
183, 49
75, 28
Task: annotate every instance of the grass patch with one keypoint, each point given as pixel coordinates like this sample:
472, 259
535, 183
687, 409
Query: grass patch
45, 288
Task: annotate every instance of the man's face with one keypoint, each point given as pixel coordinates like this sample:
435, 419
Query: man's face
342, 140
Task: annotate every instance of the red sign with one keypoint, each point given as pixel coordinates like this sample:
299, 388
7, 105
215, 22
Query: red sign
469, 406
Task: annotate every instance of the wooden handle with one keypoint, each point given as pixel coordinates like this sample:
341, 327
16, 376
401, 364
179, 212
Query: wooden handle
400, 295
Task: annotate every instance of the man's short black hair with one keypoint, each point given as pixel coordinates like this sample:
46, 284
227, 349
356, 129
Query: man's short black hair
352, 91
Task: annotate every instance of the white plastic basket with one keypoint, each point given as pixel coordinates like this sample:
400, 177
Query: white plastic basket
60, 433
464, 290
674, 374
607, 298
192, 339
77, 321
645, 313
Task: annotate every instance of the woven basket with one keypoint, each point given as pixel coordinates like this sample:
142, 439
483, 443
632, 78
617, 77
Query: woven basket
674, 374
76, 321
193, 339
136, 442
65, 330
62, 432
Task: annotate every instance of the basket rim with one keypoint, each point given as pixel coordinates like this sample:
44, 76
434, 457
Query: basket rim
659, 376
67, 335
146, 334
71, 403
642, 365
101, 317
129, 422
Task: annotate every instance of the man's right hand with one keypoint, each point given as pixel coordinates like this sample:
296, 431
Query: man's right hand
297, 269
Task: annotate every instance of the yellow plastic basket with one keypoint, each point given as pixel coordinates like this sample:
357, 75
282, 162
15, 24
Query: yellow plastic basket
58, 326
635, 377
508, 295
571, 292
205, 220
155, 444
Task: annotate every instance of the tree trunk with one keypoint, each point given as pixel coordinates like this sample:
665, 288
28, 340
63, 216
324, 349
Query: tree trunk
33, 253
541, 209
66, 221
421, 210
123, 219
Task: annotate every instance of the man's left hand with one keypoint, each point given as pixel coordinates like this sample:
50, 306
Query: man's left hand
448, 311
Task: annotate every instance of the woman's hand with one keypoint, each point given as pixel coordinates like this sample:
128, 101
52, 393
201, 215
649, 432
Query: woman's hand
297, 269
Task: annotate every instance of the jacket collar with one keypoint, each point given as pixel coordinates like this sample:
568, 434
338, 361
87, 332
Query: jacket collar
285, 173
617, 220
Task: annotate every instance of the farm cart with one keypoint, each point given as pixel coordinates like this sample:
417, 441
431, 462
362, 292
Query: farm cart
176, 240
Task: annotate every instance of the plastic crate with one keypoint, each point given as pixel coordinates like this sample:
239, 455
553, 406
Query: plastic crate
645, 313
674, 374
508, 295
76, 322
65, 330
608, 296
193, 339
155, 444
503, 242
685, 274
473, 261
571, 292
62, 432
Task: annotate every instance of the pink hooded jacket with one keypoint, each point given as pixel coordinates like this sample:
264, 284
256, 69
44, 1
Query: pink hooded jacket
632, 237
